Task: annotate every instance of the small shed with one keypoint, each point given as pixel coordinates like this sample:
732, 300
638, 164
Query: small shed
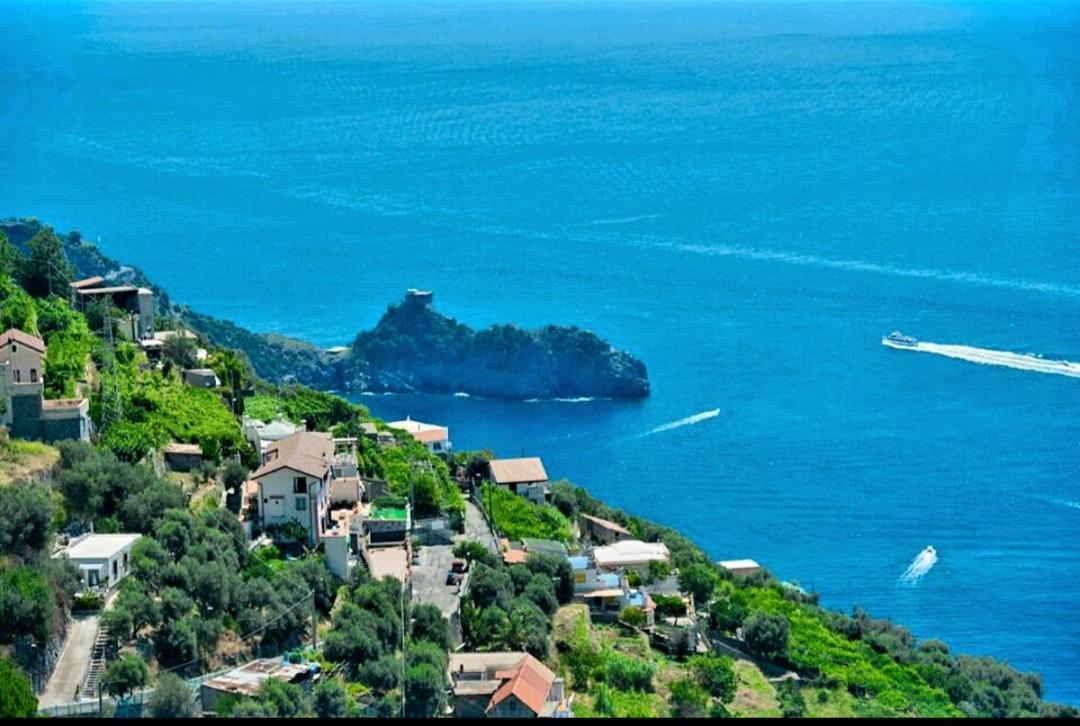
201, 378
182, 457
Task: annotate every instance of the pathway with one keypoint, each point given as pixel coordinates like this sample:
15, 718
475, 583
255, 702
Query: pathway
73, 661
476, 527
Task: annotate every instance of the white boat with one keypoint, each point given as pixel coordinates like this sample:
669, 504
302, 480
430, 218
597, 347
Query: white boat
896, 339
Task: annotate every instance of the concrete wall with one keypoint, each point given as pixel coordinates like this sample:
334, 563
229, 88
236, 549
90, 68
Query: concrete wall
65, 428
26, 416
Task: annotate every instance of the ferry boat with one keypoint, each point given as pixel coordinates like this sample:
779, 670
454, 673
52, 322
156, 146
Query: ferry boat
896, 339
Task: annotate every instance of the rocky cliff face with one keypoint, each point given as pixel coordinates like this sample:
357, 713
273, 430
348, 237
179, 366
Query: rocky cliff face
415, 348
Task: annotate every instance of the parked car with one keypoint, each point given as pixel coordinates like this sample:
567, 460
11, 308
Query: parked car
416, 557
453, 578
459, 566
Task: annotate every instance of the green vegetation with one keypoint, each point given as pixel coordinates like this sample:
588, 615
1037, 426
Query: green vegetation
160, 408
516, 517
125, 675
172, 698
17, 699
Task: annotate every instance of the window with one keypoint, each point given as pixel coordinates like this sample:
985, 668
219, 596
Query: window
301, 504
33, 375
114, 573
18, 376
299, 485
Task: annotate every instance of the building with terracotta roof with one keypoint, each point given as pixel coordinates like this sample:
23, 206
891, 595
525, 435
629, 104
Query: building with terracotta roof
525, 476
436, 438
294, 483
26, 414
602, 530
505, 685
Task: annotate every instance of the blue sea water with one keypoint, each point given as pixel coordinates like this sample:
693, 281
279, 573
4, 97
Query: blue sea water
745, 195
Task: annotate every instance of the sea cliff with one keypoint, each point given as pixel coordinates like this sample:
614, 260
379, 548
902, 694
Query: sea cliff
412, 349
415, 348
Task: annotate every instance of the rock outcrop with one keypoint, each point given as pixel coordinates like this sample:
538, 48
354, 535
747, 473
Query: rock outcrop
416, 348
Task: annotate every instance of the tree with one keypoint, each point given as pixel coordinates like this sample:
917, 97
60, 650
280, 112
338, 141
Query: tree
792, 703
698, 580
766, 635
425, 691
179, 350
381, 675
726, 615
118, 624
632, 616
11, 259
688, 699
554, 567
330, 699
490, 586
716, 674
123, 676
47, 269
172, 698
26, 513
17, 699
27, 605
428, 623
176, 642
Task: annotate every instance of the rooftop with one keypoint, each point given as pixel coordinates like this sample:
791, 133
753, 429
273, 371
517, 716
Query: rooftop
739, 564
14, 335
178, 448
606, 524
630, 552
388, 562
100, 546
388, 513
518, 471
248, 678
425, 433
305, 451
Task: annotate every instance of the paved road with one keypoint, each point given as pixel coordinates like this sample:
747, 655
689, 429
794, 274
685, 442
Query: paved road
476, 527
73, 662
429, 579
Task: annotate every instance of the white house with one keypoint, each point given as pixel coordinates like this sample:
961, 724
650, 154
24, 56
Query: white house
630, 554
436, 438
261, 435
102, 559
526, 477
294, 483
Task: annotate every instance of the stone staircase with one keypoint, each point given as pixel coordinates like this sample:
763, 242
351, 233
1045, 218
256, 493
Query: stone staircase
92, 682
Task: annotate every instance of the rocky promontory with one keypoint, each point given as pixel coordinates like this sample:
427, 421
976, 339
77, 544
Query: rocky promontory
414, 348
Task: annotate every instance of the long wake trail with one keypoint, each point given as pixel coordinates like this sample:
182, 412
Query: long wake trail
985, 356
688, 421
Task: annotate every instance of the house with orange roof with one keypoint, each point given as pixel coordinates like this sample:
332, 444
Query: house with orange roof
525, 476
506, 685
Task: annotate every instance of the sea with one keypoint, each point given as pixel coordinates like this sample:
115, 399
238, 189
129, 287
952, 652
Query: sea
746, 195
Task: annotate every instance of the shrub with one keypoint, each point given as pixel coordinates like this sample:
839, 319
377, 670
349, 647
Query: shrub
628, 674
633, 616
766, 635
716, 675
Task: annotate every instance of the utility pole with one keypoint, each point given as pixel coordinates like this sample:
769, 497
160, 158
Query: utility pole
112, 403
404, 655
314, 623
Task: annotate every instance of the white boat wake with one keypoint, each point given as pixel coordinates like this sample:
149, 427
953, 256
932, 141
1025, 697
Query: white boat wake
922, 564
688, 421
984, 356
